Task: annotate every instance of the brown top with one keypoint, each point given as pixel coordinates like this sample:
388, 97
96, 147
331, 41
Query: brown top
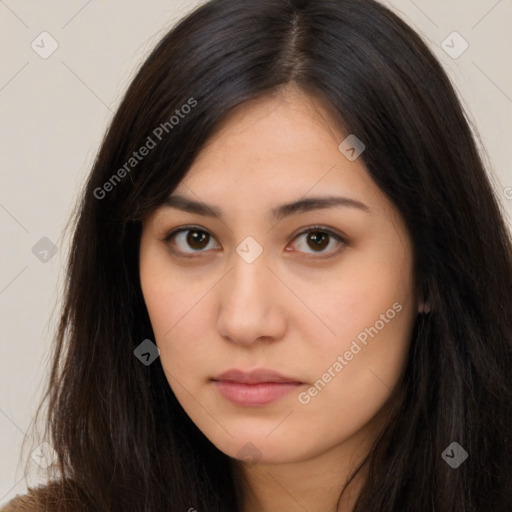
48, 498
25, 503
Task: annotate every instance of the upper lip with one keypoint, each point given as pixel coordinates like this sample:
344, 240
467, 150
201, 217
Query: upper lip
253, 377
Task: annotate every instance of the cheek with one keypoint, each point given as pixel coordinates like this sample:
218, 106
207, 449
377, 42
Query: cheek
169, 294
168, 307
364, 294
355, 375
372, 313
179, 310
165, 295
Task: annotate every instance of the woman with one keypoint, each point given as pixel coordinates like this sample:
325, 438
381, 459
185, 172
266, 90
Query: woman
289, 283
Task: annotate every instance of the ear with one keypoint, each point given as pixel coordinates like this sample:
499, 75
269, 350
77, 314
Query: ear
424, 308
424, 304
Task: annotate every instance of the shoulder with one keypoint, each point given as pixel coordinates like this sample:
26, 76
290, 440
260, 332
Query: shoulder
33, 501
23, 503
48, 498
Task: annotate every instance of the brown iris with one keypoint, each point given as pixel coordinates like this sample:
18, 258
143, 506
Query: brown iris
318, 240
197, 239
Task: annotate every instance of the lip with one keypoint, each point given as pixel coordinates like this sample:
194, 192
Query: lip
254, 388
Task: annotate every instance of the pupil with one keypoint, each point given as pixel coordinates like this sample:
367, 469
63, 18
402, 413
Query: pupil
319, 240
196, 238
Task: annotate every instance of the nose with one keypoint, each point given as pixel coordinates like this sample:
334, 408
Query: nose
250, 308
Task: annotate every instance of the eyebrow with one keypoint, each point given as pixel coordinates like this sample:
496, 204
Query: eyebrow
278, 213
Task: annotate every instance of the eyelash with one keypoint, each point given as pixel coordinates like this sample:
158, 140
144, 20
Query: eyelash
311, 229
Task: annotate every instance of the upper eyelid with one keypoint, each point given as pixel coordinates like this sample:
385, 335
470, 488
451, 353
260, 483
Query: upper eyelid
340, 236
302, 231
175, 231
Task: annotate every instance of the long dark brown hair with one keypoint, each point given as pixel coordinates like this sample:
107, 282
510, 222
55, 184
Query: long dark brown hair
123, 441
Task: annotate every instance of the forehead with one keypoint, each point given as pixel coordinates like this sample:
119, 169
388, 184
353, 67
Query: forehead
282, 144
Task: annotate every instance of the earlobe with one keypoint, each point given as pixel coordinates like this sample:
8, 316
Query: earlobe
424, 308
423, 296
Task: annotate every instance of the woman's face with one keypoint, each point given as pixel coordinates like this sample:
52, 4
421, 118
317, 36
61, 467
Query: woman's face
264, 273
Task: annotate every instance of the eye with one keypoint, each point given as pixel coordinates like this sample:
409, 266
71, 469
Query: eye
188, 238
318, 240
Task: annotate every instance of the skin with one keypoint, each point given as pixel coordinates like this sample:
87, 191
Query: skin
295, 309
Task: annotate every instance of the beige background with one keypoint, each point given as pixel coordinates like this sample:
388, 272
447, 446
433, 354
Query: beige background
54, 112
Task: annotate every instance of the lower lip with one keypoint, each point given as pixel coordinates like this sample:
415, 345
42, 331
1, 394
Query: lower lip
253, 395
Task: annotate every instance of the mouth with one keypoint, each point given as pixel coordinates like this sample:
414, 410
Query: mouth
256, 388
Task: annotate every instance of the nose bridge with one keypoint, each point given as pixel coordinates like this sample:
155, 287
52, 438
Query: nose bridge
247, 309
248, 281
249, 267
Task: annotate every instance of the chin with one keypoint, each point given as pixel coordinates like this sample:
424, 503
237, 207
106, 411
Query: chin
257, 448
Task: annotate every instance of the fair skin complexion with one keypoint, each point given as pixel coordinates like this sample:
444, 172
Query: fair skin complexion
295, 309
